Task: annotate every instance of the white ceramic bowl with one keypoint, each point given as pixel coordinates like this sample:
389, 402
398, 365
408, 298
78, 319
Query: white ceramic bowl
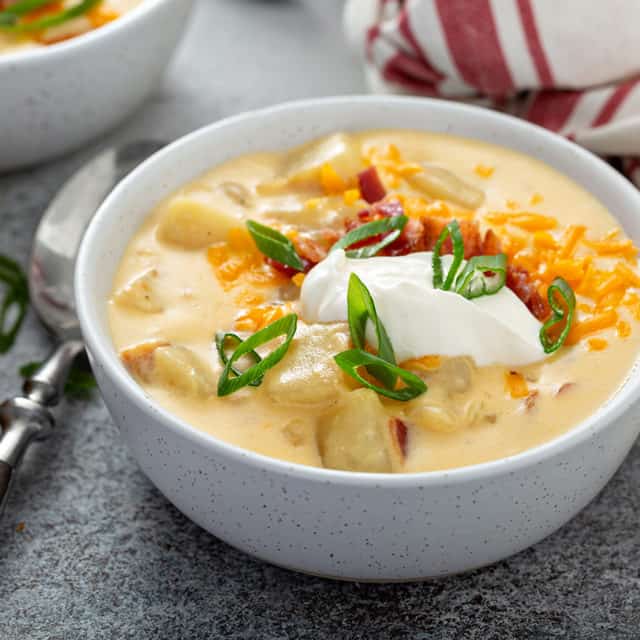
54, 99
339, 524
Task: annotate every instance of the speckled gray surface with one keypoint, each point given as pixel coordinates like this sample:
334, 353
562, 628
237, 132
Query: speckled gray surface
103, 555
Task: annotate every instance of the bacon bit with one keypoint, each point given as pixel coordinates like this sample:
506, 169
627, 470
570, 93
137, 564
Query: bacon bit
399, 435
298, 279
491, 244
410, 240
426, 363
563, 388
525, 220
597, 344
309, 250
515, 384
331, 182
536, 198
371, 186
519, 281
483, 170
591, 325
530, 400
468, 228
351, 196
624, 329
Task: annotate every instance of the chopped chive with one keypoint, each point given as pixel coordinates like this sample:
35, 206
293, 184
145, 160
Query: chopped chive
283, 327
558, 313
15, 302
392, 225
275, 245
482, 276
451, 230
354, 359
360, 309
221, 344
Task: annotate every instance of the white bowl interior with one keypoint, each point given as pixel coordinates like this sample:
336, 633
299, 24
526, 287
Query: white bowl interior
295, 123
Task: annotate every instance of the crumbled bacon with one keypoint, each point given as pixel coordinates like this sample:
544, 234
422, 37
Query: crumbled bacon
310, 249
470, 235
399, 433
491, 244
371, 187
519, 281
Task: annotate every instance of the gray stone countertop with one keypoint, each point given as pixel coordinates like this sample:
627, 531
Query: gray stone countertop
90, 549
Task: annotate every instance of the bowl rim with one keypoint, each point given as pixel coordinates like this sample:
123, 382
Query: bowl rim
104, 353
60, 49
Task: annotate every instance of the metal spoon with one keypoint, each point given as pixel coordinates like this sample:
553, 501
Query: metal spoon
26, 418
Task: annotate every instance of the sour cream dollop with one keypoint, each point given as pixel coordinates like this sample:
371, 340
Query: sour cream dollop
421, 320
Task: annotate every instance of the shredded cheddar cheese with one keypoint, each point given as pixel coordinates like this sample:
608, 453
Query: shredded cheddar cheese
484, 171
426, 363
596, 344
331, 182
351, 196
515, 384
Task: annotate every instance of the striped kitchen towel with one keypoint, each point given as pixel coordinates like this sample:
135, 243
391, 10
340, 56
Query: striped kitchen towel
571, 66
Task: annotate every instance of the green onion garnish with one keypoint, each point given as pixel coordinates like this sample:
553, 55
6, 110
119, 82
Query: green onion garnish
9, 19
393, 224
558, 313
79, 383
451, 230
275, 245
482, 276
14, 305
221, 345
284, 327
361, 309
350, 361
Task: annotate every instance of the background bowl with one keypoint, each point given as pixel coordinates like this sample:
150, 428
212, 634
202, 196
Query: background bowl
339, 524
56, 98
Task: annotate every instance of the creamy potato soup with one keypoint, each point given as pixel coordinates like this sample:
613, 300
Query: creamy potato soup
387, 301
29, 24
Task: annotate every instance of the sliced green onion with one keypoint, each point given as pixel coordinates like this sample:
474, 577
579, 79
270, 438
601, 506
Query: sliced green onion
275, 245
79, 383
10, 16
482, 276
26, 6
361, 309
14, 305
561, 287
451, 230
393, 224
284, 327
352, 360
221, 345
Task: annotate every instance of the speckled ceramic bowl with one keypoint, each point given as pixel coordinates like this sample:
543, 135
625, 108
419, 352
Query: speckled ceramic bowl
56, 98
339, 524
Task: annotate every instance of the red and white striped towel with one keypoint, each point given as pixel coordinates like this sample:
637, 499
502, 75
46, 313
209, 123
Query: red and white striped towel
571, 66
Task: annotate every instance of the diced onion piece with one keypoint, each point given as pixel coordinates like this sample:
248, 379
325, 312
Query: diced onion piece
442, 184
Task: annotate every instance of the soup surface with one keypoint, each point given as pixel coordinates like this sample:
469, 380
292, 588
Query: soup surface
494, 387
51, 22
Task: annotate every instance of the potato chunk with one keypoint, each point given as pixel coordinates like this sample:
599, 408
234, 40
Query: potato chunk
172, 367
338, 149
196, 220
359, 436
142, 293
308, 374
442, 184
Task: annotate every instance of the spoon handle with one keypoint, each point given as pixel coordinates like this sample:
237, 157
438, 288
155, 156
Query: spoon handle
26, 418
